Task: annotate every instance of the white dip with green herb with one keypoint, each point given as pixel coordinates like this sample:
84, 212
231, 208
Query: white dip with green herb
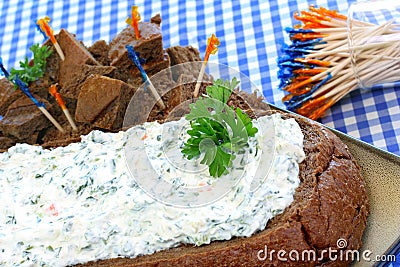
79, 203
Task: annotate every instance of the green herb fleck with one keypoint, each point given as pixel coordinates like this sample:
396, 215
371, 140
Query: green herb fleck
11, 219
31, 72
81, 188
217, 130
34, 199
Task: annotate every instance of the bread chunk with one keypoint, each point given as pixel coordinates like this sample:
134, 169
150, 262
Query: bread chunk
149, 45
23, 120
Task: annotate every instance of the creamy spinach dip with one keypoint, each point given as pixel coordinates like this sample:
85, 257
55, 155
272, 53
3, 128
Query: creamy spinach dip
79, 203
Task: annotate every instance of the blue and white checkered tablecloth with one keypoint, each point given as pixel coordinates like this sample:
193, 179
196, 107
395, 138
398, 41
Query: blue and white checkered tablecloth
249, 31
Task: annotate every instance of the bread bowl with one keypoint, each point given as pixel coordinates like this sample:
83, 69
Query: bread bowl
330, 204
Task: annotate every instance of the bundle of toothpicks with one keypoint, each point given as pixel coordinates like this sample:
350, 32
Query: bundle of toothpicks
326, 61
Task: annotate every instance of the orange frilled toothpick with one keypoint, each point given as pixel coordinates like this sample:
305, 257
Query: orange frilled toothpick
316, 69
212, 48
134, 21
53, 91
44, 27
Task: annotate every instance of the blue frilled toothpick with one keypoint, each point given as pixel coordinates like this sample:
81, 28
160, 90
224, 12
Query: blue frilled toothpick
17, 81
138, 63
321, 65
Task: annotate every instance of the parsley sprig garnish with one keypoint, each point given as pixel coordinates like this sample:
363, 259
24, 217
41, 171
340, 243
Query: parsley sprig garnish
31, 72
217, 130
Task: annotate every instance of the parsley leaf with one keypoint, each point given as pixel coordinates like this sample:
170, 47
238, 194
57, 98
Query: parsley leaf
31, 72
222, 90
246, 120
222, 161
217, 130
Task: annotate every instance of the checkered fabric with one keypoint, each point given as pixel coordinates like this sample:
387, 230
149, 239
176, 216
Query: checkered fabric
250, 33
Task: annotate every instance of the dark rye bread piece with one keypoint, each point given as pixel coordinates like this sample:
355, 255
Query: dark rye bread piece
144, 107
183, 54
131, 75
54, 138
186, 85
7, 95
99, 51
156, 19
5, 143
23, 120
149, 45
176, 96
72, 70
330, 203
73, 86
151, 68
102, 102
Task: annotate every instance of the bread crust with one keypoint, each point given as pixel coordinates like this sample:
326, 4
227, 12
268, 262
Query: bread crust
331, 203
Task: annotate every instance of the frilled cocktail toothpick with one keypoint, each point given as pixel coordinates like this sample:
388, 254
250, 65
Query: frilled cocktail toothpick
316, 69
134, 21
44, 27
26, 91
212, 48
138, 63
3, 69
53, 91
